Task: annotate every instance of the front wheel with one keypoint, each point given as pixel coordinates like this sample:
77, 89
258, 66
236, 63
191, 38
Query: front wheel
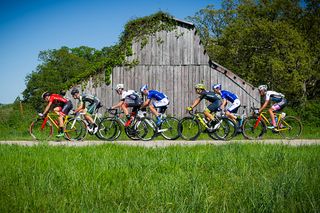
41, 129
253, 128
76, 129
169, 128
145, 128
108, 129
290, 127
189, 128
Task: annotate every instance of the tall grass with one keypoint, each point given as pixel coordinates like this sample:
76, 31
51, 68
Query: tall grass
110, 178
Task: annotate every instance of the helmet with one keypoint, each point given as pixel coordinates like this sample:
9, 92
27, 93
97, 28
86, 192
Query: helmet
74, 91
45, 94
119, 86
200, 86
216, 86
263, 87
144, 87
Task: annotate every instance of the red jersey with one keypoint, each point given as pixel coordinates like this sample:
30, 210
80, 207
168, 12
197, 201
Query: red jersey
56, 99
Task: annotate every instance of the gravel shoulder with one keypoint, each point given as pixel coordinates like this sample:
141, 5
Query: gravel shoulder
163, 143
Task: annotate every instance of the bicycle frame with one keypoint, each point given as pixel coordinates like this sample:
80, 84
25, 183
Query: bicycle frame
54, 122
278, 117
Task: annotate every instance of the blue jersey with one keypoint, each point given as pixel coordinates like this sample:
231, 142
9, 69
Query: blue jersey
154, 94
228, 95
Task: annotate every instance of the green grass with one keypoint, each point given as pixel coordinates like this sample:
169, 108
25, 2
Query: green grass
111, 178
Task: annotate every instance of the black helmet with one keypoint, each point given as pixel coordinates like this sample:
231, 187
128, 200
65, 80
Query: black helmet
45, 94
74, 91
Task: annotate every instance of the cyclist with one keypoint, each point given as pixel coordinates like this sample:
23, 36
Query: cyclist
209, 96
129, 98
279, 102
160, 102
88, 105
61, 106
227, 96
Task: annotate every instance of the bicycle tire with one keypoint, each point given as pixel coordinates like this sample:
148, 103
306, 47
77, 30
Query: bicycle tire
225, 131
40, 132
75, 129
253, 130
108, 129
172, 125
145, 129
290, 127
189, 128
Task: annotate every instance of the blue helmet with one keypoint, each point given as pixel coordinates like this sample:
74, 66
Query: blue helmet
144, 87
216, 86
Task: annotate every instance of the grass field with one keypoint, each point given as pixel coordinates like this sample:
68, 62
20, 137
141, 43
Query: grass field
111, 178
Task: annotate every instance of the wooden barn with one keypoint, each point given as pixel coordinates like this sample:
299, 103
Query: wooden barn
173, 62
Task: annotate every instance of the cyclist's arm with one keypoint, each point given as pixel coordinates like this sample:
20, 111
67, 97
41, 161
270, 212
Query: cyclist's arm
224, 103
81, 107
195, 103
264, 106
46, 110
146, 103
117, 105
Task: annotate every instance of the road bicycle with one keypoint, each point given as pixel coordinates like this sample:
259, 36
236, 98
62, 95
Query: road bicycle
113, 125
102, 132
42, 127
255, 126
191, 126
168, 128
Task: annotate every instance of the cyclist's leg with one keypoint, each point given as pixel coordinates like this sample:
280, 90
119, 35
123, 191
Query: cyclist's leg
213, 107
233, 109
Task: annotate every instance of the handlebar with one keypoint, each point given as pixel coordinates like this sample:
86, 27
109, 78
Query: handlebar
113, 111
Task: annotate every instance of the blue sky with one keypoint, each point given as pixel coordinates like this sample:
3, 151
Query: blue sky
30, 26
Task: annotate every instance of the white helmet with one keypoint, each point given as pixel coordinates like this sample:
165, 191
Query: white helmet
216, 86
144, 87
119, 86
263, 87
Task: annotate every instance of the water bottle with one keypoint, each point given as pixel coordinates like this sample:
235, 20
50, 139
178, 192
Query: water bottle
283, 114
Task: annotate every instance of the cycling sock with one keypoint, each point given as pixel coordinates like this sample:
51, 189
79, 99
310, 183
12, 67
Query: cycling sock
128, 117
60, 129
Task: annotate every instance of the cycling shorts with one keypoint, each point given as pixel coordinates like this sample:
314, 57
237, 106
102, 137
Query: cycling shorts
65, 108
235, 106
162, 103
280, 105
214, 107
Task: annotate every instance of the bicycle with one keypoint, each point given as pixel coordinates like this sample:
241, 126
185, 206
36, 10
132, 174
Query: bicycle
255, 126
168, 128
42, 128
191, 126
116, 122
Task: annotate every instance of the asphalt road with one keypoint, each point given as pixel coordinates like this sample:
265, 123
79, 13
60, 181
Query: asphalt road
165, 143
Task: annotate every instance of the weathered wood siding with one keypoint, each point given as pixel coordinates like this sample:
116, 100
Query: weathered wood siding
173, 62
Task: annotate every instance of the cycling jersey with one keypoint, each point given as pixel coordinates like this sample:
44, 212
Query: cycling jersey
64, 104
274, 96
86, 98
131, 99
209, 95
154, 94
90, 101
228, 95
57, 99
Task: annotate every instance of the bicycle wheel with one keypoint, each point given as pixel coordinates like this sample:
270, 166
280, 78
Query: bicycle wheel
252, 128
189, 128
41, 130
108, 129
75, 129
224, 129
290, 127
169, 128
145, 128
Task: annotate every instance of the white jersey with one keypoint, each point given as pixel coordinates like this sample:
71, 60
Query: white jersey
127, 93
274, 96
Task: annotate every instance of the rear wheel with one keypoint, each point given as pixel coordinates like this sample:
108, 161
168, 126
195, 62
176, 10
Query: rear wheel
290, 127
189, 128
169, 128
253, 128
41, 129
